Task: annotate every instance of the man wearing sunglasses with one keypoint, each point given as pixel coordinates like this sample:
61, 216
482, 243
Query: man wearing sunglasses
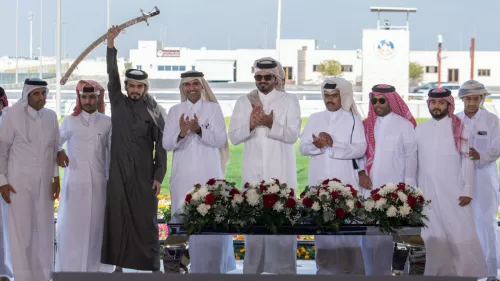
391, 157
446, 176
333, 138
482, 129
267, 121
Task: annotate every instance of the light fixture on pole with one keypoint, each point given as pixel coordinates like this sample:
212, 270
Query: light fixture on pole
30, 17
440, 45
278, 33
41, 38
58, 60
108, 16
17, 38
472, 50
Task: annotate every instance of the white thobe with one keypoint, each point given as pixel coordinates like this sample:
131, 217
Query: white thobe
80, 218
451, 243
5, 259
196, 159
483, 133
395, 160
29, 141
335, 254
269, 153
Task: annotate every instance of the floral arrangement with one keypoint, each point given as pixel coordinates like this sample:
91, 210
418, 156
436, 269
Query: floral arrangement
208, 205
393, 206
268, 203
331, 204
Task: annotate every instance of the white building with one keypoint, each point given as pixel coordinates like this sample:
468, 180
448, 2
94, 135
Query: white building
301, 60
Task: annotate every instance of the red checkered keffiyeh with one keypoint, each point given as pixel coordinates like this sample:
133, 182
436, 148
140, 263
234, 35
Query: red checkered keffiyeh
97, 88
398, 106
456, 123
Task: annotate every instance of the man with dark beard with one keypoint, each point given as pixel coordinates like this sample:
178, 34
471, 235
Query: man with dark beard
130, 227
446, 176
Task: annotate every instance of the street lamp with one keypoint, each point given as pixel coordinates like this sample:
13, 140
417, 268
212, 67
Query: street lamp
440, 45
41, 39
30, 17
17, 38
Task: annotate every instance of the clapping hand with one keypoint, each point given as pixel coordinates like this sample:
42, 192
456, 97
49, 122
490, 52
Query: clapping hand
256, 116
318, 141
473, 154
328, 139
184, 126
193, 125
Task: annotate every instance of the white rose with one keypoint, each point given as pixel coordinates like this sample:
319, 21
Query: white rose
350, 204
274, 189
369, 205
392, 211
203, 191
283, 193
311, 192
252, 198
380, 203
404, 210
196, 197
269, 182
390, 187
225, 193
323, 192
254, 183
278, 207
346, 192
382, 192
419, 192
203, 209
238, 199
315, 206
402, 196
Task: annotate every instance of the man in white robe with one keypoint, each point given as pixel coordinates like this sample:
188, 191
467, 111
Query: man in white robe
195, 131
80, 219
334, 138
29, 181
446, 176
267, 121
391, 157
482, 129
5, 260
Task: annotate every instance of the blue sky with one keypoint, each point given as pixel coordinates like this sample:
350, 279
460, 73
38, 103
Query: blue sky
223, 24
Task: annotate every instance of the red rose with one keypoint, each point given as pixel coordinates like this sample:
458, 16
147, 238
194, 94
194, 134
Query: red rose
412, 201
197, 186
401, 186
349, 185
292, 193
382, 186
290, 203
337, 180
374, 191
340, 213
262, 182
277, 181
270, 200
210, 199
244, 193
188, 198
303, 194
263, 188
394, 195
307, 202
359, 205
335, 195
354, 192
376, 197
247, 185
420, 199
325, 181
211, 181
233, 192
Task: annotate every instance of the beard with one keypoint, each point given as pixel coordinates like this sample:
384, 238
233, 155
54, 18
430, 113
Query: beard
438, 114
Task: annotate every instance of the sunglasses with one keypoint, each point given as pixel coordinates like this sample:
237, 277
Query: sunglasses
380, 100
259, 77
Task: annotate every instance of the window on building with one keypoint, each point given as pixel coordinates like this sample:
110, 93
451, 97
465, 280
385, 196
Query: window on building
182, 68
317, 68
346, 68
431, 69
288, 72
193, 67
175, 68
138, 67
168, 68
483, 72
161, 68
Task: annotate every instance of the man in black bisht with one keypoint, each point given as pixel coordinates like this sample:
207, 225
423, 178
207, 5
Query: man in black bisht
130, 228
